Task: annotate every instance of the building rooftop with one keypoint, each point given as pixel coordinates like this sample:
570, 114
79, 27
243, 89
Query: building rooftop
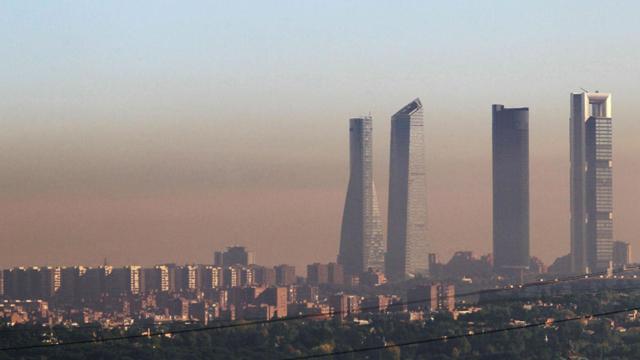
410, 108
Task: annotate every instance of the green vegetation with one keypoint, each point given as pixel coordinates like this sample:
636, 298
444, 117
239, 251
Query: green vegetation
614, 337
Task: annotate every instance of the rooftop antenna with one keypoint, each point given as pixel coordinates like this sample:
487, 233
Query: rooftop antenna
585, 90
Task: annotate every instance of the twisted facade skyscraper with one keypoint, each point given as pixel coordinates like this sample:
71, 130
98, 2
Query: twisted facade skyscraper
591, 181
361, 240
407, 251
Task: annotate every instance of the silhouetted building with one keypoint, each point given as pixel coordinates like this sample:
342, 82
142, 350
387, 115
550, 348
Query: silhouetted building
217, 258
51, 281
431, 298
240, 297
275, 297
375, 303
248, 276
465, 264
423, 298
213, 277
317, 274
152, 279
232, 276
343, 305
436, 269
285, 275
17, 284
93, 282
190, 277
266, 276
199, 310
361, 241
407, 248
446, 297
510, 189
307, 293
127, 280
234, 255
70, 283
10, 283
179, 308
536, 266
352, 280
335, 274
372, 278
161, 278
432, 260
621, 253
30, 283
591, 182
321, 274
561, 265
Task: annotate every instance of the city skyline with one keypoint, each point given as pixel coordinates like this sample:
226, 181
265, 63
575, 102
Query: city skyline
315, 179
591, 126
150, 133
591, 141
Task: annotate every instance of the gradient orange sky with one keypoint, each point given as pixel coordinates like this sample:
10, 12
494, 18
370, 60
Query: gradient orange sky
149, 134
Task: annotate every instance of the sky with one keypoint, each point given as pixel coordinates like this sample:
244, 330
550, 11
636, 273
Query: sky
149, 132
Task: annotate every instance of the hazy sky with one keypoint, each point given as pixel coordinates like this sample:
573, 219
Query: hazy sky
155, 131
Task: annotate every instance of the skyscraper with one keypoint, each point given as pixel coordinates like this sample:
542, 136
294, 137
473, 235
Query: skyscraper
510, 128
361, 241
591, 181
407, 251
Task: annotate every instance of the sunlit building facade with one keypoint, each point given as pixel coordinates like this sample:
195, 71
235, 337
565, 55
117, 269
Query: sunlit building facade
407, 250
591, 182
361, 239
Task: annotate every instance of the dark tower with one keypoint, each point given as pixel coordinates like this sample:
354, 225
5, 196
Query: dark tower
510, 189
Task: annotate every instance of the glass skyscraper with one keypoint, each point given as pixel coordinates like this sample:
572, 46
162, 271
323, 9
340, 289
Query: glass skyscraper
407, 251
591, 182
510, 129
361, 239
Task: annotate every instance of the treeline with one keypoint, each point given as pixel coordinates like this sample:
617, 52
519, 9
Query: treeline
615, 337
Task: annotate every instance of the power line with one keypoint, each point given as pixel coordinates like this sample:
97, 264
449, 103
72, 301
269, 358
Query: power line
338, 312
460, 336
175, 331
311, 316
248, 322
